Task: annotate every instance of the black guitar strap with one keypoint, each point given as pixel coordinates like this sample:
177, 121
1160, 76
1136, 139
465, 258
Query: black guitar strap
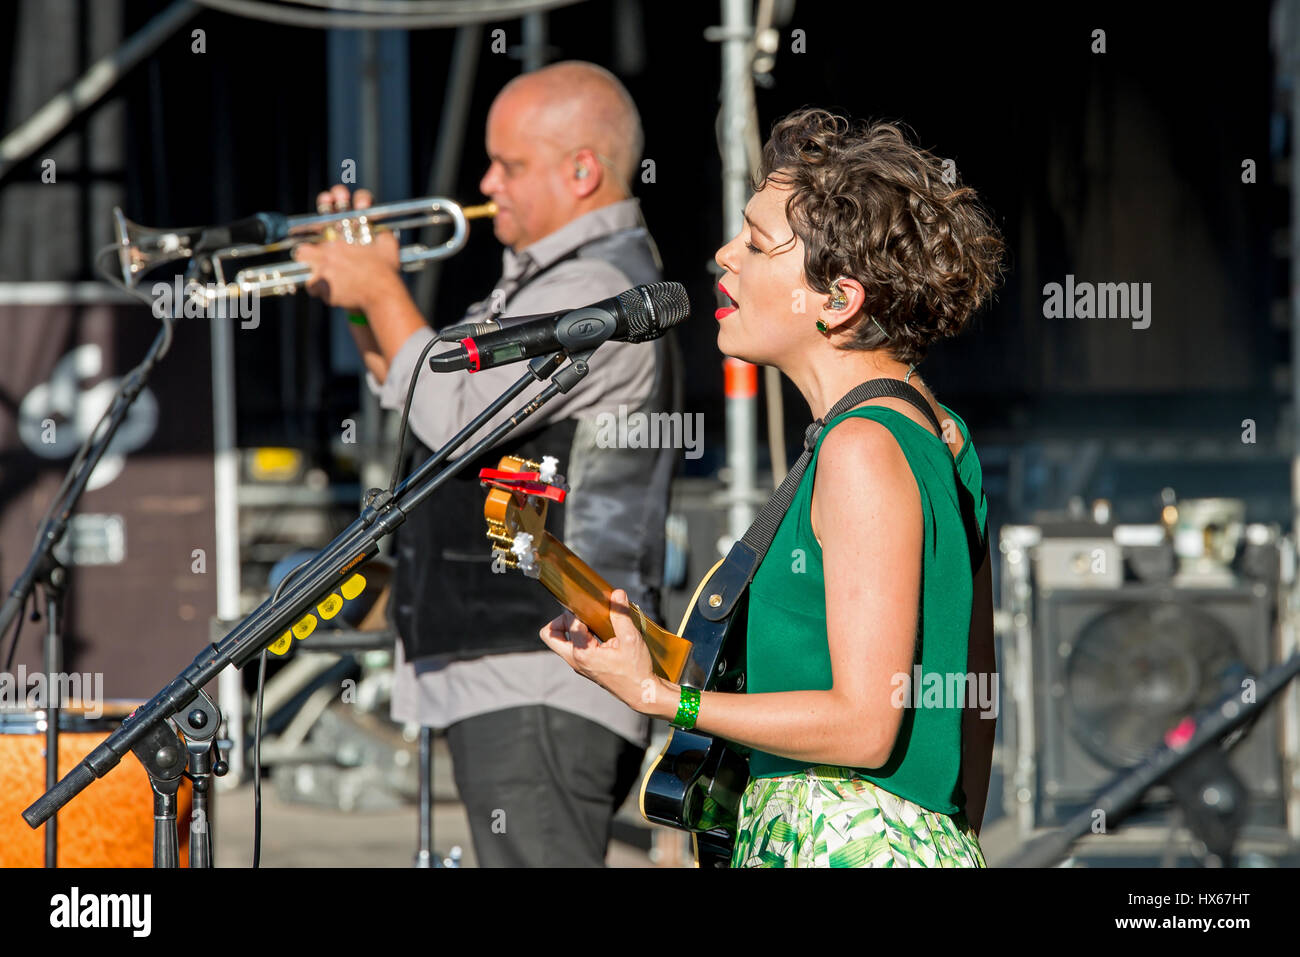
733, 577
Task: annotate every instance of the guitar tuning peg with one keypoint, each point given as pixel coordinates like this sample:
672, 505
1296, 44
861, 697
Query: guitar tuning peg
546, 472
522, 548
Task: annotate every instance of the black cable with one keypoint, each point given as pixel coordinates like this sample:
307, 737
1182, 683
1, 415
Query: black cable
13, 647
257, 729
18, 629
406, 413
257, 765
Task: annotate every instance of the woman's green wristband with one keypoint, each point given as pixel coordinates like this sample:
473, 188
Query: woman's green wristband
357, 319
688, 709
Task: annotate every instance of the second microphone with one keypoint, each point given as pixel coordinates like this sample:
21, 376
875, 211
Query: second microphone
640, 314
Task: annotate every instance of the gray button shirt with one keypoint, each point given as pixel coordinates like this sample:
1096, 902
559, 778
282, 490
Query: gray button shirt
435, 692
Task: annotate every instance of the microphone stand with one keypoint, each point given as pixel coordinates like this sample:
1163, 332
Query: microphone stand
384, 512
43, 567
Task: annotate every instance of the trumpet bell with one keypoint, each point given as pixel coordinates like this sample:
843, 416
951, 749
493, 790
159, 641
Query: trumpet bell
142, 249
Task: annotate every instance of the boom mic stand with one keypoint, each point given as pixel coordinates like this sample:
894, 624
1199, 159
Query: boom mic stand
44, 568
384, 512
1203, 784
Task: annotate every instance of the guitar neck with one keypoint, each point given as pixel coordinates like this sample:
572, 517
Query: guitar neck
579, 588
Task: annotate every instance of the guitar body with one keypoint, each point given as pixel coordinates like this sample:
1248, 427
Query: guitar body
696, 782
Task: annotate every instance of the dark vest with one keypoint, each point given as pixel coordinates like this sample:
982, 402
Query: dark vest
447, 601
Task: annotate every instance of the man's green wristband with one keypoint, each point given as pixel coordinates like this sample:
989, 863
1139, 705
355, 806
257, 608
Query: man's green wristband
357, 319
688, 709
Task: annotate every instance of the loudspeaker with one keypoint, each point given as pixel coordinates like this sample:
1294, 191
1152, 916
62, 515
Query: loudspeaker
1113, 672
1098, 668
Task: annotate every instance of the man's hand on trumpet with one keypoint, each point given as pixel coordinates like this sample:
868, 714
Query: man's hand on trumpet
351, 274
363, 277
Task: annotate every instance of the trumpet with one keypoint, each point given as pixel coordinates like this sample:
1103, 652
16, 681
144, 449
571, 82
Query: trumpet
218, 268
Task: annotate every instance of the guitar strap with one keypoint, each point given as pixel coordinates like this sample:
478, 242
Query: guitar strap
733, 576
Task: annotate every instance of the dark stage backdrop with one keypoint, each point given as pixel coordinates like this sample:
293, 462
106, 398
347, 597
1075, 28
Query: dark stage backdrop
1123, 166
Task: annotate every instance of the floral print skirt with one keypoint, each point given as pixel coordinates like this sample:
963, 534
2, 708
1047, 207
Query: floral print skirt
832, 817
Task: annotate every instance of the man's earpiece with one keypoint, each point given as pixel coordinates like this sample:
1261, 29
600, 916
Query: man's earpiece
581, 172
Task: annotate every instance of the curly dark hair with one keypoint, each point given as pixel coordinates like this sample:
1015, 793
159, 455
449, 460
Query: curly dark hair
870, 206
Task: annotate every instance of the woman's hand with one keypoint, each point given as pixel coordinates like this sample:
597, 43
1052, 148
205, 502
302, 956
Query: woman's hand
622, 665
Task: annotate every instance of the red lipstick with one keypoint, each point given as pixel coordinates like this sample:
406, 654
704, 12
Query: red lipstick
725, 310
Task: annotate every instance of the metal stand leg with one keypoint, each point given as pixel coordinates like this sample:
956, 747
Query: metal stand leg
164, 755
200, 725
166, 850
53, 576
53, 665
424, 854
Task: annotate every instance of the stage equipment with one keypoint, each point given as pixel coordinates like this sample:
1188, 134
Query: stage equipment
1107, 652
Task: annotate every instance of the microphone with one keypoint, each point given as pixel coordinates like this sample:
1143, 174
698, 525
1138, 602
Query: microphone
258, 229
640, 314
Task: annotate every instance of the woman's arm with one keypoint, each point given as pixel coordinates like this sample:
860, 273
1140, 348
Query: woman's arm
977, 728
867, 511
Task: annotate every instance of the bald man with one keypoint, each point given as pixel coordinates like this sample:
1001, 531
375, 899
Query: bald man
542, 757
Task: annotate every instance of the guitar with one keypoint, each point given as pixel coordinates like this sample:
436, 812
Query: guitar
697, 779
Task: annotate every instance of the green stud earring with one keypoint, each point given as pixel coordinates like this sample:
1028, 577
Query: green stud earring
822, 327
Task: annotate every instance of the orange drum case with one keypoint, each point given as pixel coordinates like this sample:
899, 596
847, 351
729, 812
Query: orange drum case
109, 824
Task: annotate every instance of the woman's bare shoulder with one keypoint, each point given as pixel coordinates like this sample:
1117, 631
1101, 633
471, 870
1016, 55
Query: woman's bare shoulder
861, 468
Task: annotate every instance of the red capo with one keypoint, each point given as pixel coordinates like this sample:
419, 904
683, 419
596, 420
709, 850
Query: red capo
526, 482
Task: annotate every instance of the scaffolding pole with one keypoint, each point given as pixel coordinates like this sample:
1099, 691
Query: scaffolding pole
741, 377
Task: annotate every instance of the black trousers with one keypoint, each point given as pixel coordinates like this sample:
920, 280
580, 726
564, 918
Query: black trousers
540, 785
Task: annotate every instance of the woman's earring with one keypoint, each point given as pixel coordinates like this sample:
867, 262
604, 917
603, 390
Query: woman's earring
822, 327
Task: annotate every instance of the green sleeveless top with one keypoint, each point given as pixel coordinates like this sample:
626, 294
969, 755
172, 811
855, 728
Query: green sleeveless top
787, 648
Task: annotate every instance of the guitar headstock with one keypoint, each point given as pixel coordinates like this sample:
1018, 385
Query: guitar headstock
518, 496
519, 492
